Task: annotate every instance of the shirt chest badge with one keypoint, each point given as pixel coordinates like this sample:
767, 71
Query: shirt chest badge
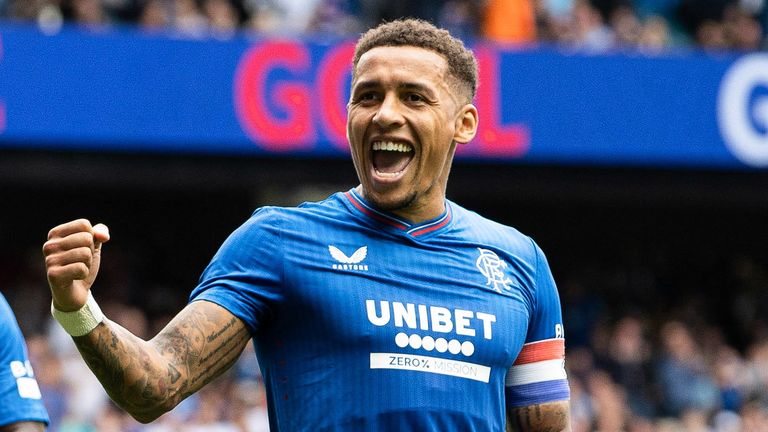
352, 262
493, 269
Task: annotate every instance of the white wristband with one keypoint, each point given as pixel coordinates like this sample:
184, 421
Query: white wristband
81, 321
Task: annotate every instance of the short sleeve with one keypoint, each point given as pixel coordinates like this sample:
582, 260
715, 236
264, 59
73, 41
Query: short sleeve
538, 375
245, 276
20, 398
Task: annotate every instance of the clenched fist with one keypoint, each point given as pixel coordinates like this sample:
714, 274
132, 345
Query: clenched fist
72, 256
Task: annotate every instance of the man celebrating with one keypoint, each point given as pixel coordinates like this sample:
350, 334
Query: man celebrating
383, 308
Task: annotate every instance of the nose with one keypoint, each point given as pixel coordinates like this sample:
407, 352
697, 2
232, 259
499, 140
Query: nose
389, 116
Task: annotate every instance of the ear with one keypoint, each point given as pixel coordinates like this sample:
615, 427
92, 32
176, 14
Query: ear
466, 124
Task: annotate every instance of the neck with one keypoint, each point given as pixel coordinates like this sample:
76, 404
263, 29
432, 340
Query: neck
421, 208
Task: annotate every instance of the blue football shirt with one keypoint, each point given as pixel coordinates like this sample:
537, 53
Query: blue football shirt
20, 398
365, 322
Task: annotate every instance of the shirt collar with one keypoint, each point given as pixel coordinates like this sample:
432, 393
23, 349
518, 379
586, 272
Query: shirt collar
361, 206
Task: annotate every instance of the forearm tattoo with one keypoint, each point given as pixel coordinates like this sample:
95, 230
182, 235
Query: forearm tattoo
149, 378
548, 417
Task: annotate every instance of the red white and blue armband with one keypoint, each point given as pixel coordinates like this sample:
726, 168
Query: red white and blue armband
538, 375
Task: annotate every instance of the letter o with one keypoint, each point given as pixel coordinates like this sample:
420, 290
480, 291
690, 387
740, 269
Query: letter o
734, 113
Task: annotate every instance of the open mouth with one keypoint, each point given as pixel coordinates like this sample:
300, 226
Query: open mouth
390, 158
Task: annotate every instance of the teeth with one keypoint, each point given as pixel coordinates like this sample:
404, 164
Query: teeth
392, 146
390, 175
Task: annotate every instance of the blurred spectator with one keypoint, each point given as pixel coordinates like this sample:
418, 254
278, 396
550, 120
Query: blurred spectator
728, 370
662, 8
584, 310
710, 34
154, 15
265, 18
388, 10
727, 421
461, 18
287, 17
110, 419
682, 373
509, 21
223, 17
188, 19
741, 30
695, 420
756, 370
28, 10
654, 35
629, 364
609, 400
334, 17
213, 413
588, 29
252, 396
582, 410
557, 9
754, 417
627, 26
89, 13
50, 377
85, 397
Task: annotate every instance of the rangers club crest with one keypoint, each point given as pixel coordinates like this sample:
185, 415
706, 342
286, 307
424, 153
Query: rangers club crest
492, 267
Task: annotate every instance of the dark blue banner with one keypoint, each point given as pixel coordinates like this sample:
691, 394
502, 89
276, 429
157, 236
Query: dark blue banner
128, 91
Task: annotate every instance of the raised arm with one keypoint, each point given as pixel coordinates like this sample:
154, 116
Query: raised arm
145, 378
546, 417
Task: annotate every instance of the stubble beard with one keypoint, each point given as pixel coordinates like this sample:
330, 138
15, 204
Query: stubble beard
402, 204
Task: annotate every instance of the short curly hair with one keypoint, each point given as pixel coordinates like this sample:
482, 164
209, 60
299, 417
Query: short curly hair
462, 64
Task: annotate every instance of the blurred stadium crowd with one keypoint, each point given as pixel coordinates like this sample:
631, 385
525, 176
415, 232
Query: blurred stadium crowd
599, 25
696, 363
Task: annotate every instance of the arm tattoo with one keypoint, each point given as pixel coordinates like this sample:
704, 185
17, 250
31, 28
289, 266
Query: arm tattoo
546, 417
149, 378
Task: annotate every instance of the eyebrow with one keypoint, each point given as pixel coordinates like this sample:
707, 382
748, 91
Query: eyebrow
417, 87
365, 85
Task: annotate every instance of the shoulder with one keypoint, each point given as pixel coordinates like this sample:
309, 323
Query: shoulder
306, 211
475, 227
278, 218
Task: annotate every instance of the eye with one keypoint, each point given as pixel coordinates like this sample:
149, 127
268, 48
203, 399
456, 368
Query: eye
367, 97
414, 98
